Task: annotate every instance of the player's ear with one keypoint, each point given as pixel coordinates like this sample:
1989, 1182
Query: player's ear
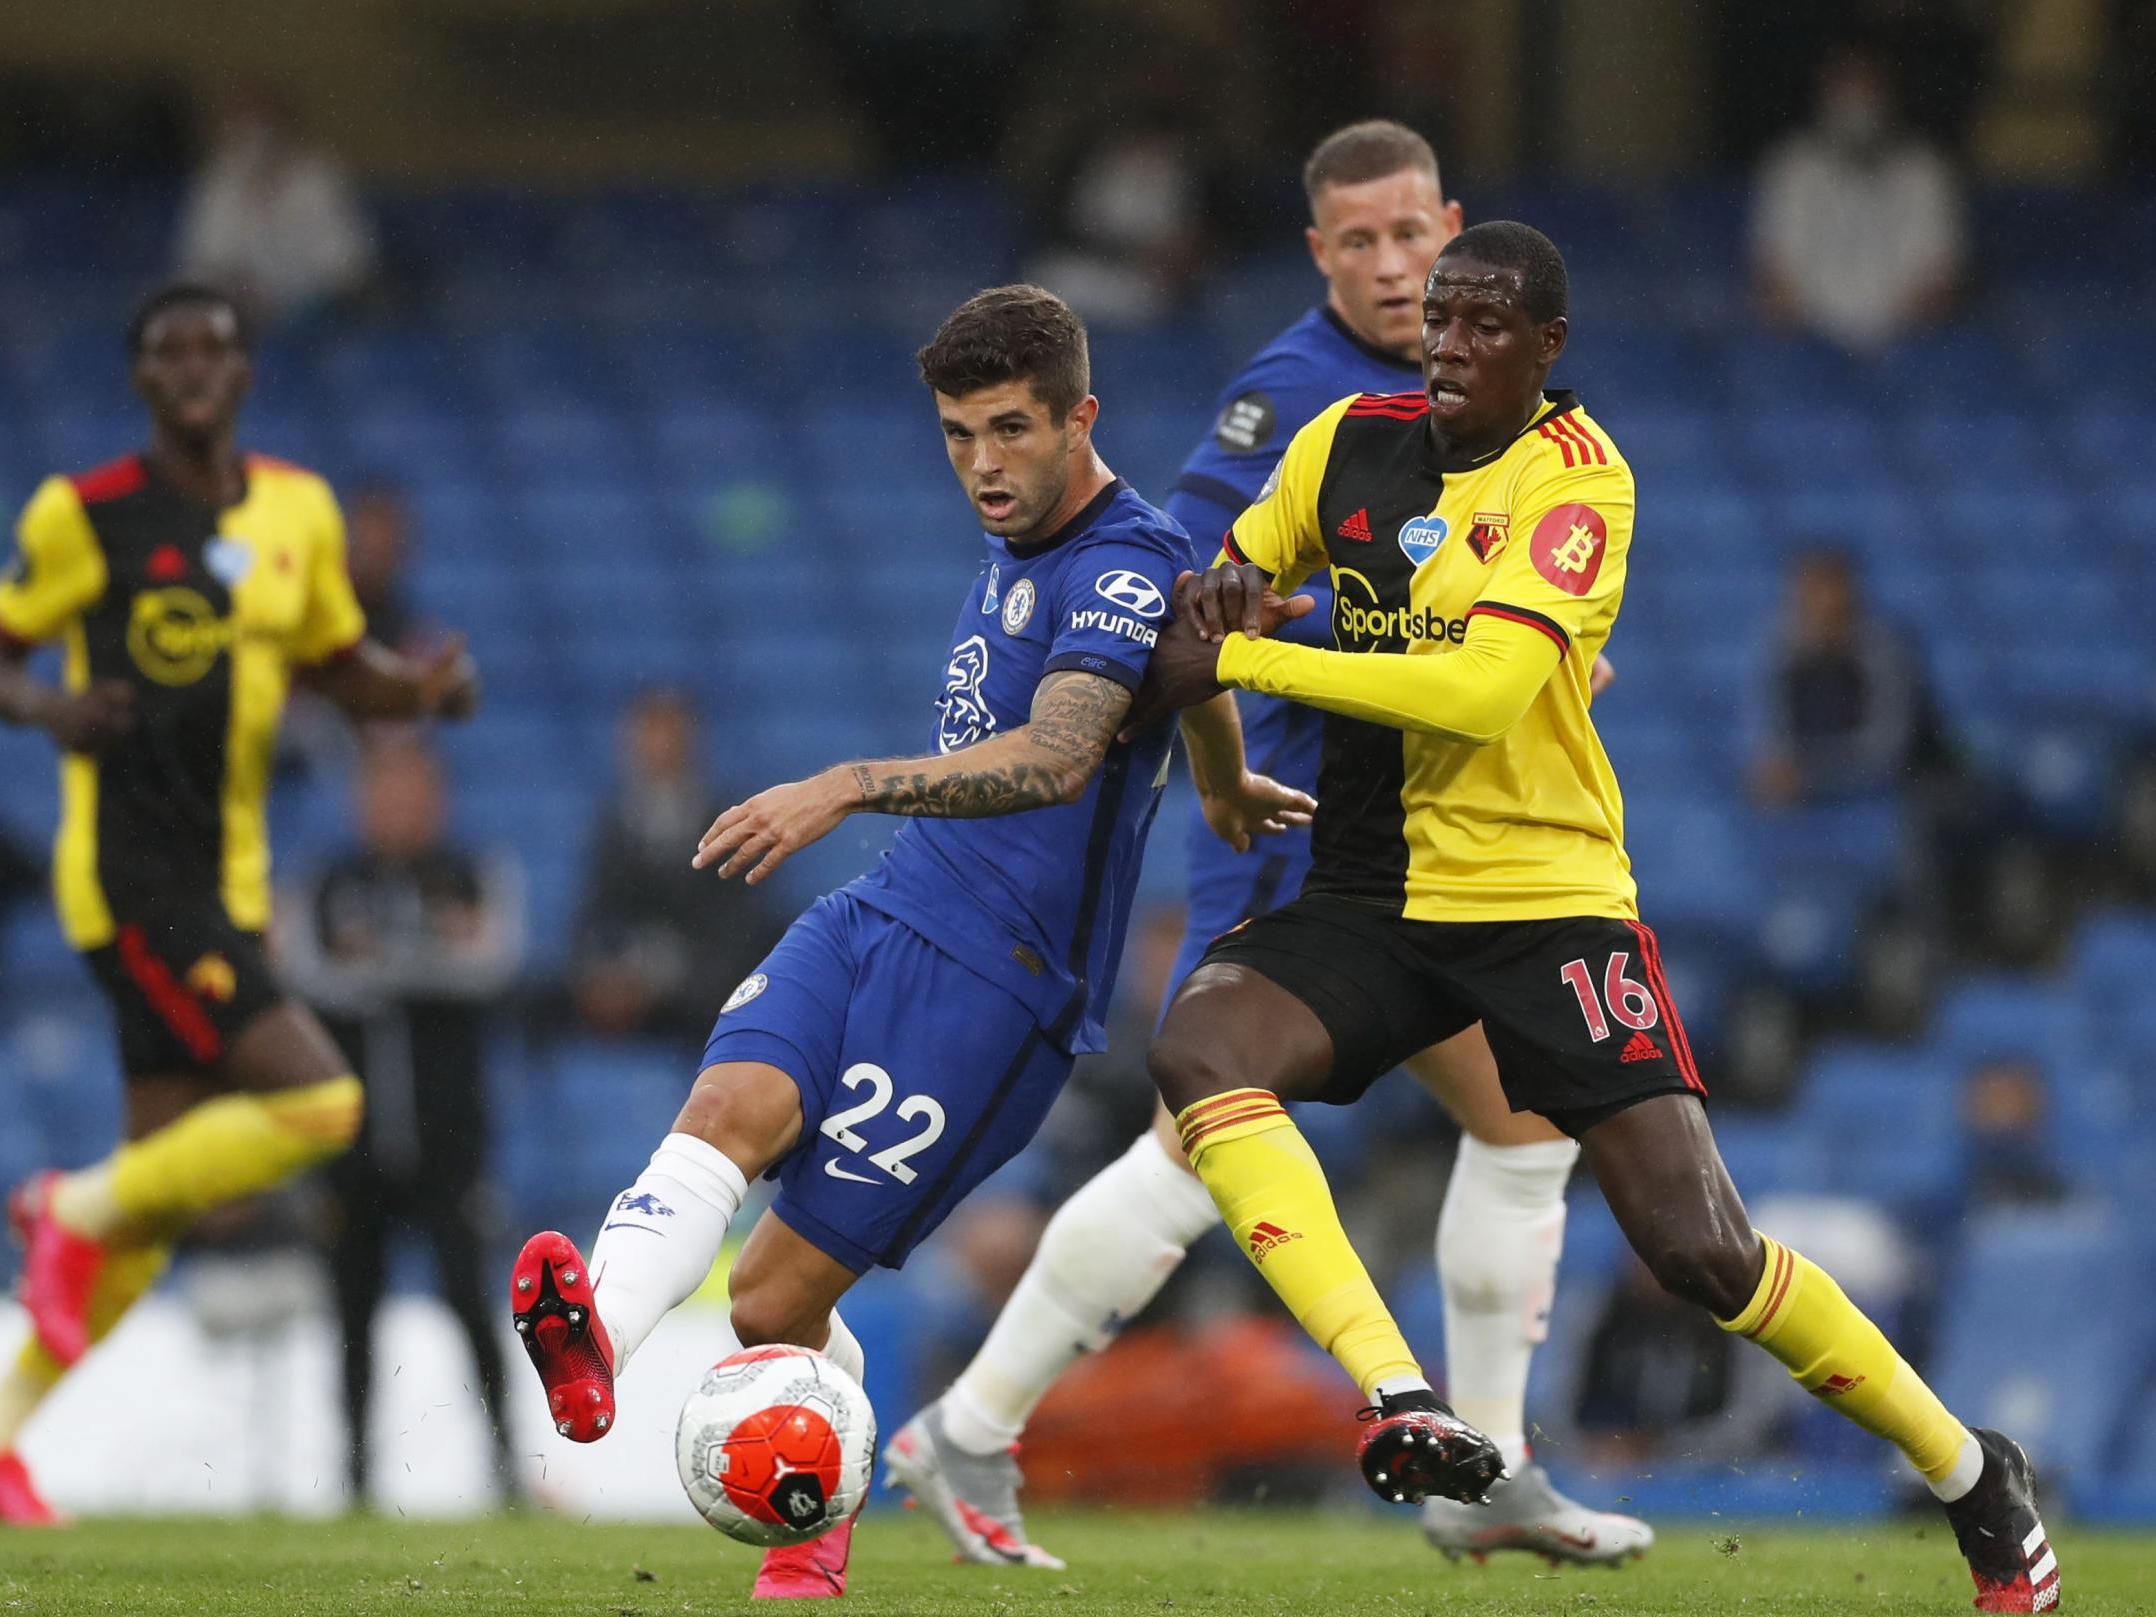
1083, 414
1455, 218
1550, 335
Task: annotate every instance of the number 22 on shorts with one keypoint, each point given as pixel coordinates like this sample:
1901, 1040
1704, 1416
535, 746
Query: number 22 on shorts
839, 1126
1629, 1000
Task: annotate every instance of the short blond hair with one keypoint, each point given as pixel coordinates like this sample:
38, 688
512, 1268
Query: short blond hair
1369, 150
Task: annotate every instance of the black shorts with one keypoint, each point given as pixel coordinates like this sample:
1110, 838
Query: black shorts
181, 988
1577, 1011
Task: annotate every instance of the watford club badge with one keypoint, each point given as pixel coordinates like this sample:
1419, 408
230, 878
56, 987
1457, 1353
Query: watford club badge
212, 978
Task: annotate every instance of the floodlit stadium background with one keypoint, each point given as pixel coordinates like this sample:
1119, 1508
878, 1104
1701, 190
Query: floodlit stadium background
636, 352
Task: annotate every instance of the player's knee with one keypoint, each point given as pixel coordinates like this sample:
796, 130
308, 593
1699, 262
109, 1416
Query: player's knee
748, 1111
1187, 1070
766, 1314
1716, 1269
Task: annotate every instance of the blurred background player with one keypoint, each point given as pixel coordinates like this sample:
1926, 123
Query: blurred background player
1378, 218
910, 1031
192, 584
406, 945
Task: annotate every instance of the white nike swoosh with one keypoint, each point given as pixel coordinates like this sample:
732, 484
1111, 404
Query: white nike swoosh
836, 1172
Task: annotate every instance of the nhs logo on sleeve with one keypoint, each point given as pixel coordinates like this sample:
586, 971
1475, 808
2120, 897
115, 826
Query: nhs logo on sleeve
1420, 537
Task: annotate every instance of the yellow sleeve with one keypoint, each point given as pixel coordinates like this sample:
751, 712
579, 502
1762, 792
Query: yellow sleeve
1563, 568
1474, 694
333, 621
1279, 531
59, 568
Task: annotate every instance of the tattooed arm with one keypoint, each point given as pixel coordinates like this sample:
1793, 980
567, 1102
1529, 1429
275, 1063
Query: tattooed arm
1045, 761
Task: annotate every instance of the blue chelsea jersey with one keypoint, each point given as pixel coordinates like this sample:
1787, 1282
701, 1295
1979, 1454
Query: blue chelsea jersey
1038, 902
1315, 362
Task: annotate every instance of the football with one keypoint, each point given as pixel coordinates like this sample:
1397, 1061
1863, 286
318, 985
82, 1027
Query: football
776, 1445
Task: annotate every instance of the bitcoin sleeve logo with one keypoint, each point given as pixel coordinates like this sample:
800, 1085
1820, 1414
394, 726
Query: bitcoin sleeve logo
1568, 547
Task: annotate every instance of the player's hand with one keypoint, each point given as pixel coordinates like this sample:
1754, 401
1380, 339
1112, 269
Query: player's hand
449, 682
92, 719
1235, 596
1258, 805
1603, 676
1182, 672
760, 835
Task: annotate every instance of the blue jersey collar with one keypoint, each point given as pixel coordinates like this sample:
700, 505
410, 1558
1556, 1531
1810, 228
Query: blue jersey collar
1381, 355
1087, 515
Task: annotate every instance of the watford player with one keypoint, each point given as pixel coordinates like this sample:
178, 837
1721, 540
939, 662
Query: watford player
188, 585
1469, 864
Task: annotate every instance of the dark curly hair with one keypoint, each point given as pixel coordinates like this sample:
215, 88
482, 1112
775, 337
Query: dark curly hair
1009, 334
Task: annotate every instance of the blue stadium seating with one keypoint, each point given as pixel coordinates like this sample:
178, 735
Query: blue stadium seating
656, 436
2007, 1356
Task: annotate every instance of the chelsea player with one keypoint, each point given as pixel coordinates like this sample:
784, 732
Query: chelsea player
1378, 218
908, 1034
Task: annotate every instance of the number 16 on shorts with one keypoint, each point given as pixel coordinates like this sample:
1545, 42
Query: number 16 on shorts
1631, 1002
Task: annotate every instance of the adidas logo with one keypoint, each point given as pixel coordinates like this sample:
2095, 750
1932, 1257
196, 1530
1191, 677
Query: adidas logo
1835, 1385
1357, 527
1640, 1048
1267, 1236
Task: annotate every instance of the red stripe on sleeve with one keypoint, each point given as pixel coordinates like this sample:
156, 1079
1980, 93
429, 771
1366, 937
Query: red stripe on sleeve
1557, 635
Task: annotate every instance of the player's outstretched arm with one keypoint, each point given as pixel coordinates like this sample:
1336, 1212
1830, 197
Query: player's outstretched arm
1474, 694
373, 682
1045, 761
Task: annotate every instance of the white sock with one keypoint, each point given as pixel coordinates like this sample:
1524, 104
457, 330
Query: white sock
1104, 1256
1968, 1466
661, 1237
1498, 1238
844, 1349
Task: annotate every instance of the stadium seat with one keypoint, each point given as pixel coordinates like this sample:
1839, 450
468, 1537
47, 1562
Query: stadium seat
2002, 1359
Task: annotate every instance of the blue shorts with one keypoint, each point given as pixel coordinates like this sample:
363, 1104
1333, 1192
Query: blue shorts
918, 1078
1227, 889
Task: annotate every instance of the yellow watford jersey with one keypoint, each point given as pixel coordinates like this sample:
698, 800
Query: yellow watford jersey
1524, 551
204, 612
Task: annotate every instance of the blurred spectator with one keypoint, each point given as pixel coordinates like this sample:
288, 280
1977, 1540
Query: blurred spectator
2004, 1110
378, 554
1847, 708
1126, 237
272, 219
405, 944
1658, 1377
911, 68
657, 944
1857, 229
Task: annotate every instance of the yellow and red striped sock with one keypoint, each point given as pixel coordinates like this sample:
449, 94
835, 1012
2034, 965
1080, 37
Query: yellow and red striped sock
1269, 1187
1801, 1316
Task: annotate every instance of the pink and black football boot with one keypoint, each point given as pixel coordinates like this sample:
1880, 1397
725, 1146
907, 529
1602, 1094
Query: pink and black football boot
2000, 1535
1416, 1447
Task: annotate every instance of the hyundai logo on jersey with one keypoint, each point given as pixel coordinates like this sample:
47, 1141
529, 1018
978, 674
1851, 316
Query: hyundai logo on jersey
1132, 591
1421, 536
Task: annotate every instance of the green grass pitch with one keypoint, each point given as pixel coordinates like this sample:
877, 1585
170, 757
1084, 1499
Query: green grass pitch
1226, 1562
